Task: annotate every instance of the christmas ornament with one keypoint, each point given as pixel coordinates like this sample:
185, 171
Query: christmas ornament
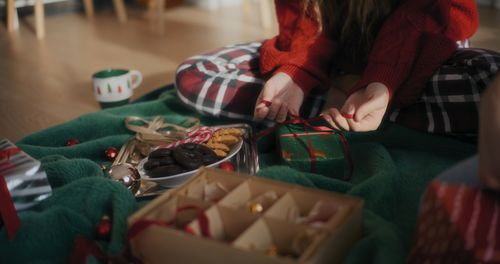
72, 141
111, 153
104, 228
127, 175
272, 251
256, 208
227, 166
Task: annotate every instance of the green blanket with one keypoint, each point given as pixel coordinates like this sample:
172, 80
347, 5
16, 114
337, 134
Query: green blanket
392, 167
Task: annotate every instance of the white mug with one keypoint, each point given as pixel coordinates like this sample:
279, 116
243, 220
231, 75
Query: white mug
114, 87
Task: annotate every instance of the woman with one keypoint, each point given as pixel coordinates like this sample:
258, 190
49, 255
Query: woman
404, 53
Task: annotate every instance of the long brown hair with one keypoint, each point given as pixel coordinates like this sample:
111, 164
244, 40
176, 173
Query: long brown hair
353, 23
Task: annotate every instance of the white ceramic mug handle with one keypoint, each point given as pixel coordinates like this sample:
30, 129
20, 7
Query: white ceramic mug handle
138, 78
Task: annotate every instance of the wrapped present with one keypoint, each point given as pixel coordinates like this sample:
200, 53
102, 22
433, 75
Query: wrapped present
457, 224
22, 184
317, 149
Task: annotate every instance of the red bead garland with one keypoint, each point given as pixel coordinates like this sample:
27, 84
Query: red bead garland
72, 141
227, 166
104, 228
111, 153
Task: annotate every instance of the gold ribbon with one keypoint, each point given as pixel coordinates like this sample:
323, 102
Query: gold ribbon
157, 131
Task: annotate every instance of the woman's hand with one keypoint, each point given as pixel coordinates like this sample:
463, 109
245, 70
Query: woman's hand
362, 111
489, 136
284, 95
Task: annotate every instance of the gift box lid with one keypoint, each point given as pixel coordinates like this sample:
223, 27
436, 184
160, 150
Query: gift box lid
15, 161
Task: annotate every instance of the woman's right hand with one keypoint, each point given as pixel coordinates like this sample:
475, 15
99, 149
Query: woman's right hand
280, 96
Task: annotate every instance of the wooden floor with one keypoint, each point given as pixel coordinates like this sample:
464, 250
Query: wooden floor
47, 82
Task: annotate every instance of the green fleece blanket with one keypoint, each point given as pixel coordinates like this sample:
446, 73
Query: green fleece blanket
392, 167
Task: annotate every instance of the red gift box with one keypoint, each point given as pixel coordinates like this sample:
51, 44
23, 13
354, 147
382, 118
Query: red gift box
457, 224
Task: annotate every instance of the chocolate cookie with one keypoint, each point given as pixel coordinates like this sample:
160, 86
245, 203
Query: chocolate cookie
192, 156
160, 153
209, 159
157, 162
164, 171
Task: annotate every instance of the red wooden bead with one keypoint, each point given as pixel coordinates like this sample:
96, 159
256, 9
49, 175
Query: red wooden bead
227, 166
72, 141
104, 227
111, 153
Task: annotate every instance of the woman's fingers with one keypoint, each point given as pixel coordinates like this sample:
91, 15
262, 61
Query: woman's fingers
339, 119
348, 110
376, 97
261, 113
273, 110
330, 121
282, 113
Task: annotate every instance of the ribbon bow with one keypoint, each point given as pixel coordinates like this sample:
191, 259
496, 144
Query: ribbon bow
7, 210
157, 131
203, 223
297, 120
84, 248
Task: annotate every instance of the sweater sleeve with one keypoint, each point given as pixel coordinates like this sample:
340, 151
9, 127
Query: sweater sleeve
415, 40
299, 50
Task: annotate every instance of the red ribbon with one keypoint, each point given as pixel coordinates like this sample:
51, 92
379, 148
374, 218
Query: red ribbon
85, 248
141, 225
6, 153
297, 120
10, 218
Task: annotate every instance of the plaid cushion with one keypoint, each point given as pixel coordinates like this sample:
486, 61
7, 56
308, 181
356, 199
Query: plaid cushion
227, 82
450, 102
222, 82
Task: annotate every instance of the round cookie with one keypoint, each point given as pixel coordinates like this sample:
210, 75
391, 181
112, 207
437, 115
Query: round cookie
164, 171
209, 159
160, 153
192, 156
157, 162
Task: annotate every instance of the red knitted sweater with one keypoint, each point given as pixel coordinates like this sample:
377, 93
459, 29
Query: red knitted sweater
416, 39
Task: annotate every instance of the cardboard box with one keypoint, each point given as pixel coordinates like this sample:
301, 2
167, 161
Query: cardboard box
292, 224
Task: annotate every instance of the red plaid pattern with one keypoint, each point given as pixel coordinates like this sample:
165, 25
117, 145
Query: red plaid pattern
450, 102
226, 82
457, 224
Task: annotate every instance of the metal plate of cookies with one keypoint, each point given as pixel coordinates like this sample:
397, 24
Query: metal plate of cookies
230, 147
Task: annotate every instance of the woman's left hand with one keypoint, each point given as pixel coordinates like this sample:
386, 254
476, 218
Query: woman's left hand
362, 111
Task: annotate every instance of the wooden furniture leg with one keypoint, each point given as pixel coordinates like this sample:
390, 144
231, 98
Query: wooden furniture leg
266, 15
160, 8
88, 5
11, 15
247, 7
121, 12
39, 19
